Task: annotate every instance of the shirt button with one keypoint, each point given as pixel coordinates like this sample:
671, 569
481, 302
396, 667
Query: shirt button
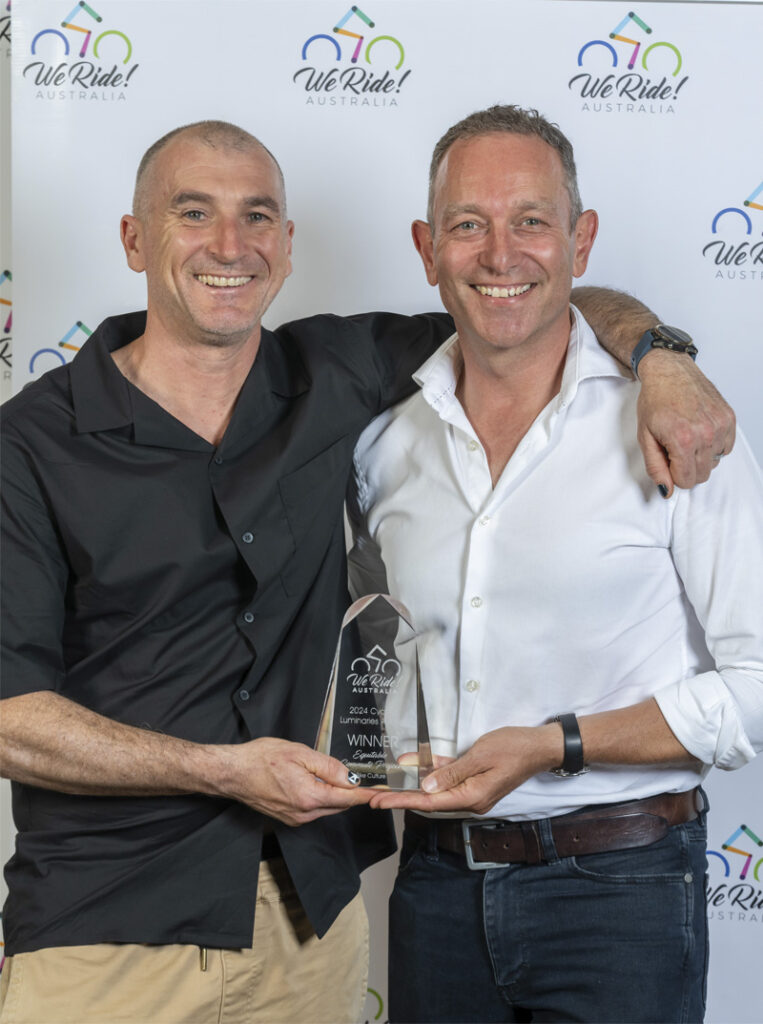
218, 460
476, 602
247, 537
248, 617
243, 694
472, 685
484, 520
473, 446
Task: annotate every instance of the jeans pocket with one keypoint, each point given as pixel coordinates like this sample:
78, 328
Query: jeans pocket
670, 859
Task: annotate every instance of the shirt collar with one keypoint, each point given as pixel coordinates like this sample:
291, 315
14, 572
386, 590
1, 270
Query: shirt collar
585, 359
100, 394
103, 399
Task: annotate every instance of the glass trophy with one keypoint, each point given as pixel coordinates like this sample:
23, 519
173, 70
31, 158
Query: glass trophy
374, 719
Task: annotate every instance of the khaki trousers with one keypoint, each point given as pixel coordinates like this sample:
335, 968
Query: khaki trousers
288, 977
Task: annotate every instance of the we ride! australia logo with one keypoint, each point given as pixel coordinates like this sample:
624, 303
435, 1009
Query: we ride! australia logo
45, 359
736, 249
81, 59
735, 878
628, 72
353, 66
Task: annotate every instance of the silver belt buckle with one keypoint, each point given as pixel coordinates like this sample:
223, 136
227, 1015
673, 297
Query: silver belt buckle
466, 825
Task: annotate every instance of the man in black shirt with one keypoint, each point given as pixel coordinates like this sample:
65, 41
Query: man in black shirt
174, 566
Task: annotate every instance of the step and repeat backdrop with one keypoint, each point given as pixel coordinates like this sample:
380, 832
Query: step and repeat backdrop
662, 104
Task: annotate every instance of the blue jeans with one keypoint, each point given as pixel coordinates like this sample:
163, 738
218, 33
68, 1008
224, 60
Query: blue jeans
610, 937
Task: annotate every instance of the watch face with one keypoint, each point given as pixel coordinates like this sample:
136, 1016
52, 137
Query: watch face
672, 334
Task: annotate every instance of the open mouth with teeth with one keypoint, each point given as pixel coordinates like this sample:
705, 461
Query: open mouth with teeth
502, 293
215, 281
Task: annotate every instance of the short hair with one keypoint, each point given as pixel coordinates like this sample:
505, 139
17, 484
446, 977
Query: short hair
212, 134
515, 121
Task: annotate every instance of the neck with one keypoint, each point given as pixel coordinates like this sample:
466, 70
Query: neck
503, 392
196, 383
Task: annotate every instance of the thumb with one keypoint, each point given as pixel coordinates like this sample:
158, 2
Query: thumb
331, 770
448, 777
656, 462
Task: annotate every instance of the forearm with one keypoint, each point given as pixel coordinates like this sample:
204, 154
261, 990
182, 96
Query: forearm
636, 735
49, 741
618, 320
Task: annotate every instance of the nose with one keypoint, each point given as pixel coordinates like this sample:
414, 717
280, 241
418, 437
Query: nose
499, 252
226, 241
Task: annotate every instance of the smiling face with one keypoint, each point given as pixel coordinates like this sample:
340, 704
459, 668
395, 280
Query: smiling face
213, 239
500, 246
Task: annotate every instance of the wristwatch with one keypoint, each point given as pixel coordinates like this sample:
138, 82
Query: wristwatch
662, 336
573, 763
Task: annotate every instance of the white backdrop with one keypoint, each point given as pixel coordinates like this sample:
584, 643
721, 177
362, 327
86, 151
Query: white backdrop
670, 152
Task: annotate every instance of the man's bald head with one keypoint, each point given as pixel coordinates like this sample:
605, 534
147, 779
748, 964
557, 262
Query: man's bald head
216, 135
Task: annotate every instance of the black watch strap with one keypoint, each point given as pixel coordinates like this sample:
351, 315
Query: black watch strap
662, 336
573, 763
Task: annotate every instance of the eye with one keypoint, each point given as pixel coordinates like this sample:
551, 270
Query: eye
532, 221
193, 214
257, 217
466, 225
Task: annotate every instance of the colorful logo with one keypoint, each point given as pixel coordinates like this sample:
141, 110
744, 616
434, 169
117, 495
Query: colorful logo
380, 1001
630, 89
359, 80
67, 54
732, 250
6, 303
68, 343
749, 838
737, 900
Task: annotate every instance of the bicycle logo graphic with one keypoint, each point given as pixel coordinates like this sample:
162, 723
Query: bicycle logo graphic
339, 29
374, 665
728, 250
616, 35
83, 10
749, 202
743, 830
65, 343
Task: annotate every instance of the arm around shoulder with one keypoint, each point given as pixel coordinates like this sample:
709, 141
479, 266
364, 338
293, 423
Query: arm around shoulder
684, 423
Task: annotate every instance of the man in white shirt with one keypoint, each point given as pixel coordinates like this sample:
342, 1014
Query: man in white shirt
506, 505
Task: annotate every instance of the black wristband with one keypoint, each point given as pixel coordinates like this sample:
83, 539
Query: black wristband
662, 336
573, 763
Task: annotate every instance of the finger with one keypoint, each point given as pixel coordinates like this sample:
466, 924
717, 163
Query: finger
415, 800
330, 770
450, 775
657, 463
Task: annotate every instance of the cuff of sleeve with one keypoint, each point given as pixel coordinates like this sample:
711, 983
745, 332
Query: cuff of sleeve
703, 717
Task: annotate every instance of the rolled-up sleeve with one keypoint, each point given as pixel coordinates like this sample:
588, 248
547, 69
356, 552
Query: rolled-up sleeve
717, 546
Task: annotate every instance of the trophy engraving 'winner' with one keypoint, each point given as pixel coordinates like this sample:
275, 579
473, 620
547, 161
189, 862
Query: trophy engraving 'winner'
374, 712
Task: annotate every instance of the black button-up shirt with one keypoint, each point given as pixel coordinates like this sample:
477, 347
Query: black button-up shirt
193, 590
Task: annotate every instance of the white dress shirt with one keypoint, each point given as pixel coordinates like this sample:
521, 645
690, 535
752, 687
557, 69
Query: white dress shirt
570, 586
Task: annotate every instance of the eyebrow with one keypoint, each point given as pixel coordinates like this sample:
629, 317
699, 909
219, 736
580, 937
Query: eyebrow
457, 209
250, 202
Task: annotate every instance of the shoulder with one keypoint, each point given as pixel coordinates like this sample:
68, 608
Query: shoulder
44, 403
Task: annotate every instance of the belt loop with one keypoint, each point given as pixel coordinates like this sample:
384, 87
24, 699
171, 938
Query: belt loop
532, 842
546, 833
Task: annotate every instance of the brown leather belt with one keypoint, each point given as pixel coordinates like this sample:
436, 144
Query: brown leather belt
595, 830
